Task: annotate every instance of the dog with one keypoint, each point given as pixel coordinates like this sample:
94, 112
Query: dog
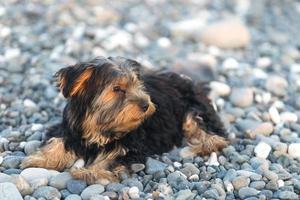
118, 113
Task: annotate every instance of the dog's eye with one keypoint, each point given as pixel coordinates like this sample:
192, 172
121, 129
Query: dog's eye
118, 89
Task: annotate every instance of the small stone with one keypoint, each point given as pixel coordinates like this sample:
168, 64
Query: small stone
37, 127
134, 192
8, 191
31, 174
47, 192
262, 150
280, 183
294, 150
288, 117
189, 169
288, 195
153, 166
213, 160
32, 146
12, 161
29, 104
184, 195
194, 177
165, 189
241, 97
230, 64
221, 89
274, 115
60, 181
186, 152
137, 167
79, 163
240, 182
91, 190
73, 197
76, 186
230, 33
259, 185
277, 85
5, 178
247, 192
1, 160
263, 62
254, 128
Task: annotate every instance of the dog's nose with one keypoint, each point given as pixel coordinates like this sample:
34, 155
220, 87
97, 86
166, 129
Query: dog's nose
144, 106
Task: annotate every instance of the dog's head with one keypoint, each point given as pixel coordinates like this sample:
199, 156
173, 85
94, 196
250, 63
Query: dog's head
106, 97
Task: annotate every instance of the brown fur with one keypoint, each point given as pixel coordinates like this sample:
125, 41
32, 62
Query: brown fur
201, 143
80, 82
51, 156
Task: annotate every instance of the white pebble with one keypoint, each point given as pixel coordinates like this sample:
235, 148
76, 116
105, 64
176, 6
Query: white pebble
263, 62
194, 177
262, 150
230, 63
12, 53
222, 89
213, 160
274, 115
134, 192
29, 103
164, 42
177, 164
280, 183
36, 127
79, 163
294, 150
22, 144
229, 187
288, 117
266, 97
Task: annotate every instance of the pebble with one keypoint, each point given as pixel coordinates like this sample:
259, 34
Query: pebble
254, 128
242, 97
184, 195
288, 117
277, 85
76, 186
11, 161
60, 181
47, 192
1, 160
229, 33
213, 160
137, 167
247, 192
73, 197
274, 115
153, 166
32, 146
240, 182
91, 190
288, 195
262, 150
8, 191
221, 89
134, 192
294, 150
5, 178
31, 174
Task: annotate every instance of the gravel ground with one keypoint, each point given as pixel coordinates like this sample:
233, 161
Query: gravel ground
255, 74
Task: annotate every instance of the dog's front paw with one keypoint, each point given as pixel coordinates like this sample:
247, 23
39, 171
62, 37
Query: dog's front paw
92, 176
32, 161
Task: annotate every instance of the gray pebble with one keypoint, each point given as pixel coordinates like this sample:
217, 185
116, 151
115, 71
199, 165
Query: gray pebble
91, 190
47, 192
76, 186
153, 166
247, 192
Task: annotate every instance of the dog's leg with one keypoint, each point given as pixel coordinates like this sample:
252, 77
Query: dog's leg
200, 141
52, 156
104, 168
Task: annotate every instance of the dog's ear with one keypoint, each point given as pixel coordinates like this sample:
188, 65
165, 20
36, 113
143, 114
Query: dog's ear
73, 80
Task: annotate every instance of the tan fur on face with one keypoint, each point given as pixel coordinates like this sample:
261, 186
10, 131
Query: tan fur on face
123, 120
201, 143
52, 156
99, 169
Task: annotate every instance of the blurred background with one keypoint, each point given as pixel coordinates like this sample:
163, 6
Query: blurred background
238, 42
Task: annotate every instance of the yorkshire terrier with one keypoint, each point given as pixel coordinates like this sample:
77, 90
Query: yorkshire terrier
118, 114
